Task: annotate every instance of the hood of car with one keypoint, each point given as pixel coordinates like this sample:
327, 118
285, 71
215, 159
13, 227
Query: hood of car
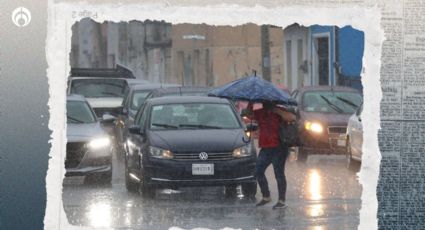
84, 132
105, 102
328, 119
209, 140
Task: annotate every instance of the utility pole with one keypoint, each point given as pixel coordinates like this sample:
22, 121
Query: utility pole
265, 52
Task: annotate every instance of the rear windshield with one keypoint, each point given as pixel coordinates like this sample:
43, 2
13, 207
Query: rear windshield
79, 112
99, 87
331, 102
193, 116
138, 98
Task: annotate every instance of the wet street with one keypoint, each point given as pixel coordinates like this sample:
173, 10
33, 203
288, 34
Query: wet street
322, 194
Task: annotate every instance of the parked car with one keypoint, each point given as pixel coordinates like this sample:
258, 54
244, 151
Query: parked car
189, 141
103, 88
323, 116
133, 99
179, 91
354, 140
88, 148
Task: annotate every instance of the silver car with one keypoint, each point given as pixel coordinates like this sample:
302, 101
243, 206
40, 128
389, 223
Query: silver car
354, 140
88, 148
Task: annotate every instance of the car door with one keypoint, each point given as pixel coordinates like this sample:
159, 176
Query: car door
357, 134
136, 142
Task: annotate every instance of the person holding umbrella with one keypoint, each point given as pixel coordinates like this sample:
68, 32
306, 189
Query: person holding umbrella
269, 119
256, 90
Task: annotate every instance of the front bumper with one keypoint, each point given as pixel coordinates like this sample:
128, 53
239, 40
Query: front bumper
179, 173
88, 170
324, 143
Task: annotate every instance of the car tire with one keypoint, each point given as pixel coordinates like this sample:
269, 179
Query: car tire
302, 155
130, 185
350, 162
147, 191
249, 190
230, 190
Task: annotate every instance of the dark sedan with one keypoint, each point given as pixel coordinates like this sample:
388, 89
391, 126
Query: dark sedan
189, 141
133, 98
324, 112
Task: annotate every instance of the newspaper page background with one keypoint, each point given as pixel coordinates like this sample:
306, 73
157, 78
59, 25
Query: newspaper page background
401, 140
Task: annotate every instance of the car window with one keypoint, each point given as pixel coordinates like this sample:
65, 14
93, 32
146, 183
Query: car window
99, 87
331, 102
143, 116
359, 110
79, 112
138, 98
193, 116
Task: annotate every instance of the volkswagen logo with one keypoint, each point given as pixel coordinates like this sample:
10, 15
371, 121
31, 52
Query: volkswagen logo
203, 156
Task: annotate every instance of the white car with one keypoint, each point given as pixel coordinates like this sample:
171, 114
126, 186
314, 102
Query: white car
354, 139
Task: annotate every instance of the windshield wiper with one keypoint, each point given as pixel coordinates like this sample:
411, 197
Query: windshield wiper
74, 119
165, 125
200, 126
333, 106
348, 102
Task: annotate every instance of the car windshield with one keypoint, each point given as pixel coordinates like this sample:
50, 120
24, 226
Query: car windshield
99, 87
138, 98
193, 116
79, 112
331, 102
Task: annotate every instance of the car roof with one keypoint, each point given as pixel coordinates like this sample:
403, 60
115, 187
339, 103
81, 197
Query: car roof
75, 97
150, 86
137, 81
180, 89
328, 88
186, 99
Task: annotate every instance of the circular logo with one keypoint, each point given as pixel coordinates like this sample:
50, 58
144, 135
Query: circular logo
203, 156
21, 17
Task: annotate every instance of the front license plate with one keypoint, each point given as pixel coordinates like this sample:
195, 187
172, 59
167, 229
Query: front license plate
202, 169
341, 143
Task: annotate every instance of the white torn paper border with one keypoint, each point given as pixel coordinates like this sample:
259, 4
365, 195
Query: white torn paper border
60, 20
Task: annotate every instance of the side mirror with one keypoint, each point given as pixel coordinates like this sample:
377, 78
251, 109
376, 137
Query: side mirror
251, 127
107, 119
124, 111
135, 129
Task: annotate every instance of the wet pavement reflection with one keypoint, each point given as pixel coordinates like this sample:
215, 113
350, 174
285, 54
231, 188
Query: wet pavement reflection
322, 194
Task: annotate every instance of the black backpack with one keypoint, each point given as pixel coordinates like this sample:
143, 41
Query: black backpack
288, 133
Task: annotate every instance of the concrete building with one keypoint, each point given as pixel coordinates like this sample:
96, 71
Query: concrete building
187, 54
323, 55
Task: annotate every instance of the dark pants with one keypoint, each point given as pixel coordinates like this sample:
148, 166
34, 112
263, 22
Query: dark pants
277, 157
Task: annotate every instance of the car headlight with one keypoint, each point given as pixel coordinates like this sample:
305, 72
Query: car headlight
313, 126
243, 151
160, 153
98, 143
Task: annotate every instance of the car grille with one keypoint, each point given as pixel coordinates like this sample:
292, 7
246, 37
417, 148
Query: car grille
195, 156
100, 111
337, 129
74, 154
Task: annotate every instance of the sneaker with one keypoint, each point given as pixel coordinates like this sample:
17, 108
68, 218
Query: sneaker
263, 201
280, 204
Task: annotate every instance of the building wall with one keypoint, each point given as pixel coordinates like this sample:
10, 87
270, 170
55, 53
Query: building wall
220, 54
350, 55
161, 52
